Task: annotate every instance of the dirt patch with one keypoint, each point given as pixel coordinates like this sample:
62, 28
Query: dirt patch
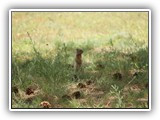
83, 92
133, 88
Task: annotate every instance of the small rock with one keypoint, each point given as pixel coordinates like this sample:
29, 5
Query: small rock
76, 95
29, 91
117, 76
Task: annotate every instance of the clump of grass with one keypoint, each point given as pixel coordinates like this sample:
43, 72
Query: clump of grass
116, 92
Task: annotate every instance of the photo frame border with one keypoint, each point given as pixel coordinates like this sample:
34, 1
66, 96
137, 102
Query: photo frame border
79, 10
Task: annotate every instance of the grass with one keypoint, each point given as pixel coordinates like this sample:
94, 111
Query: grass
115, 59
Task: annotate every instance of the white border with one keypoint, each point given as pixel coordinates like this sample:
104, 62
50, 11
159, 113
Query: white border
10, 50
67, 10
149, 41
87, 10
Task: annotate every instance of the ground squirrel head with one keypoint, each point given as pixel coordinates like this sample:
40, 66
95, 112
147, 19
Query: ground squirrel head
79, 51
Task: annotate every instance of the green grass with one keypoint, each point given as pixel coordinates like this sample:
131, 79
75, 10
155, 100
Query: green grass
113, 42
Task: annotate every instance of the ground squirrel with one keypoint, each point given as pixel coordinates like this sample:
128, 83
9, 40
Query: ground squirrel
78, 59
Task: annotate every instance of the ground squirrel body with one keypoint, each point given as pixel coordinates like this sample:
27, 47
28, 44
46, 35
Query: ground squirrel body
78, 59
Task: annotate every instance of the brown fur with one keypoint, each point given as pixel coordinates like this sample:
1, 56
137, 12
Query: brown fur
78, 59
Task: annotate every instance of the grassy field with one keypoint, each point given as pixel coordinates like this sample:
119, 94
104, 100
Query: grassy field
115, 60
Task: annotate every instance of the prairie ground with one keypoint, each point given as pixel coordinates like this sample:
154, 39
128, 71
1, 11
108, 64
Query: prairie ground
115, 59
